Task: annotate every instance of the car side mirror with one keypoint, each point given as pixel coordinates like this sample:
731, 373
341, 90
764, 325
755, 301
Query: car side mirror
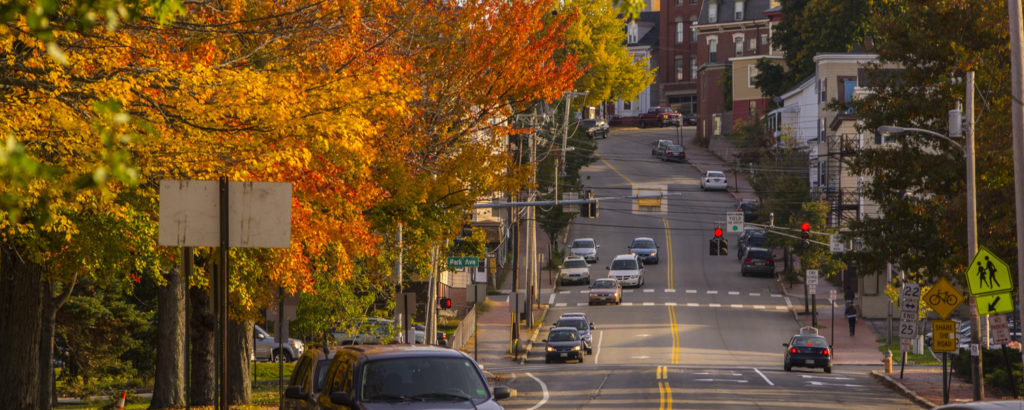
608, 268
544, 340
592, 326
502, 392
341, 397
785, 345
597, 246
295, 392
260, 336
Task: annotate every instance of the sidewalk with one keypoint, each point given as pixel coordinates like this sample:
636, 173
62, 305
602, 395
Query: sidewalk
921, 383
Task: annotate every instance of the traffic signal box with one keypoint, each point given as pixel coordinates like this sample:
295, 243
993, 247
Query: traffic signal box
444, 303
805, 233
719, 245
589, 209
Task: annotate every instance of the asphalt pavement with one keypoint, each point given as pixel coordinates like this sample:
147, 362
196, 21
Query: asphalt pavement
920, 383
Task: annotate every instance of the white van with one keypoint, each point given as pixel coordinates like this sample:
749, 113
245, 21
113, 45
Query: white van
628, 270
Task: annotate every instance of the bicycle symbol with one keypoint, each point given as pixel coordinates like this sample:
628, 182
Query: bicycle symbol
942, 297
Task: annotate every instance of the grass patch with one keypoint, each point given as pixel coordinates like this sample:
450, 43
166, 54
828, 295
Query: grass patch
268, 371
911, 357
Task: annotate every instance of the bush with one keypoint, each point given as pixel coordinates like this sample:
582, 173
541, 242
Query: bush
993, 366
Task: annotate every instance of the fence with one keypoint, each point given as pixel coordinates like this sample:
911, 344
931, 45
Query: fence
465, 330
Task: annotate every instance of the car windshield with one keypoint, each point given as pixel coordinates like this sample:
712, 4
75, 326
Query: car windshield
562, 336
579, 324
757, 240
583, 243
575, 263
604, 284
422, 379
758, 254
623, 264
810, 341
642, 243
588, 123
715, 174
675, 148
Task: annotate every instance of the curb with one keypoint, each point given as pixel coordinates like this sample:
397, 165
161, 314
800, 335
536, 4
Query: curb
899, 387
529, 345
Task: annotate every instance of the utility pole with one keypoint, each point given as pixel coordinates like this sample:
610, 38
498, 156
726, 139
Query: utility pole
972, 231
1017, 111
531, 223
399, 320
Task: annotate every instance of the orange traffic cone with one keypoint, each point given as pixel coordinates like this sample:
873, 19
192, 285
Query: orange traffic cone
120, 403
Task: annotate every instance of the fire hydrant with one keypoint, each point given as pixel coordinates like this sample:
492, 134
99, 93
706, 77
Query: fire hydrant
887, 361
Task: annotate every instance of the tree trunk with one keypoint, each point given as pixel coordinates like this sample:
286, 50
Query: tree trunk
239, 364
51, 304
169, 389
20, 321
202, 390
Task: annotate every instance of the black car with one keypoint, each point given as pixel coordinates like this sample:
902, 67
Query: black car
753, 238
406, 376
582, 327
807, 351
749, 209
595, 128
758, 261
674, 153
563, 343
307, 379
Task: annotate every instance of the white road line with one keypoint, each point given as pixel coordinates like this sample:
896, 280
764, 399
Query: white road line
691, 304
507, 298
560, 304
648, 290
691, 291
714, 305
648, 303
543, 388
712, 292
585, 291
582, 304
733, 293
754, 294
600, 336
627, 291
551, 300
670, 303
788, 303
670, 291
764, 377
627, 303
758, 306
775, 295
564, 292
735, 306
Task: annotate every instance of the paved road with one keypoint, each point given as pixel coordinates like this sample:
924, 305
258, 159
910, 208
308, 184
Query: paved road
697, 334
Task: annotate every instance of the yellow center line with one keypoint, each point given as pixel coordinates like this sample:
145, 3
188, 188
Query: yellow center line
668, 259
674, 328
616, 171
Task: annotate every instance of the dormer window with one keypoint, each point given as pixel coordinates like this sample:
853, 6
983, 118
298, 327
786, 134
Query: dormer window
713, 11
632, 33
739, 10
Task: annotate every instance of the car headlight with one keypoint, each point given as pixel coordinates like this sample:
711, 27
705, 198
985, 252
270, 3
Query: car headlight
576, 348
551, 349
654, 253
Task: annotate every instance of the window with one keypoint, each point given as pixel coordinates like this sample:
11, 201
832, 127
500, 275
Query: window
679, 3
738, 7
693, 30
712, 49
680, 70
753, 45
738, 40
846, 87
824, 89
751, 75
632, 32
693, 67
679, 31
627, 105
821, 129
693, 1
764, 39
713, 12
753, 109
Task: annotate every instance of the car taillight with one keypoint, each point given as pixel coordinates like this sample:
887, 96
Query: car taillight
748, 260
825, 352
792, 350
771, 262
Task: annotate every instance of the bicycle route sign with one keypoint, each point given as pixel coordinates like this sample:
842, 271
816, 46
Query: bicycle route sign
943, 298
988, 274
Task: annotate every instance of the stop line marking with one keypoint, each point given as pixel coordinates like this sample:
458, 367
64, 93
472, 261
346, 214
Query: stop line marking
688, 304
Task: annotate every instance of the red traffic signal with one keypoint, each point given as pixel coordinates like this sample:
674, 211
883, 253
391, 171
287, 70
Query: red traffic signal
805, 227
718, 232
445, 303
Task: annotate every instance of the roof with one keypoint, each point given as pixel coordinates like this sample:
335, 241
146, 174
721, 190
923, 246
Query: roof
403, 351
624, 256
752, 10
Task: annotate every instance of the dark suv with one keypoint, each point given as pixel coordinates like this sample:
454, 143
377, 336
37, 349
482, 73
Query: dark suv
406, 376
759, 261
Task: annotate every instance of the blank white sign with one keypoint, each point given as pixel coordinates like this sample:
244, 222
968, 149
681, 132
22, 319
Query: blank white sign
259, 214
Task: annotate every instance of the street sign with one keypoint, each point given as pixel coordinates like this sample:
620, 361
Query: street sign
734, 222
995, 303
943, 336
943, 298
812, 289
908, 329
812, 276
908, 316
831, 295
835, 245
259, 214
910, 298
906, 344
988, 274
1000, 329
458, 262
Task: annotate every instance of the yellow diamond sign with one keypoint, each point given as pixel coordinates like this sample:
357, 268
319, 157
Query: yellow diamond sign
943, 298
988, 274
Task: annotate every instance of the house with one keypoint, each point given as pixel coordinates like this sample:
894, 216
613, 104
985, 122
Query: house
641, 42
732, 35
677, 55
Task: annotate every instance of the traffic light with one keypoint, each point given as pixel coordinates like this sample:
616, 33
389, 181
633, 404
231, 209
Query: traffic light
719, 245
805, 233
445, 303
591, 205
723, 247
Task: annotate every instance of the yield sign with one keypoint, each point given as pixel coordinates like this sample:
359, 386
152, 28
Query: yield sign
988, 274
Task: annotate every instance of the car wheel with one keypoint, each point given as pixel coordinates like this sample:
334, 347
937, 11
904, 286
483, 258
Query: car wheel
743, 273
547, 360
590, 303
828, 369
277, 354
787, 366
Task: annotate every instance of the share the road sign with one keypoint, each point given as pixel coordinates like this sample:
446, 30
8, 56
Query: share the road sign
994, 303
988, 274
944, 336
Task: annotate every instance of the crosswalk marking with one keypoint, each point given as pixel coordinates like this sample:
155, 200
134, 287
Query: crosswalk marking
733, 293
670, 291
691, 291
755, 294
627, 303
648, 290
688, 304
714, 305
670, 303
736, 306
560, 304
648, 303
691, 304
758, 306
712, 292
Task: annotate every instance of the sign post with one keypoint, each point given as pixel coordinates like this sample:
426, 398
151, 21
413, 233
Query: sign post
812, 289
910, 300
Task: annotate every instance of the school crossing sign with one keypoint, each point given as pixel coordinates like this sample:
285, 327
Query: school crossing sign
988, 274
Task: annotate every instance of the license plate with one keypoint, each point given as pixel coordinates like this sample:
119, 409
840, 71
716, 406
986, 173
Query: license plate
565, 355
810, 361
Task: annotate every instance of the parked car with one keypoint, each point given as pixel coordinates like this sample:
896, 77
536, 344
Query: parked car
585, 247
605, 290
659, 146
807, 351
370, 331
645, 249
583, 327
265, 348
421, 334
674, 153
307, 379
595, 128
690, 119
749, 208
714, 180
574, 270
563, 343
758, 261
660, 116
756, 239
406, 376
628, 270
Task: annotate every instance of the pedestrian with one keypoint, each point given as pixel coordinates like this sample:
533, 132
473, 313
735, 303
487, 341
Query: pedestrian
851, 316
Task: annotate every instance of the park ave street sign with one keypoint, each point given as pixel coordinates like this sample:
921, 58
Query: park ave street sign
988, 274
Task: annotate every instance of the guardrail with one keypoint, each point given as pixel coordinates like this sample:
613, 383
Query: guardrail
464, 331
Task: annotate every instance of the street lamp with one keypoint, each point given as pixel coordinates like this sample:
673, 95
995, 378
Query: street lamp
956, 131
